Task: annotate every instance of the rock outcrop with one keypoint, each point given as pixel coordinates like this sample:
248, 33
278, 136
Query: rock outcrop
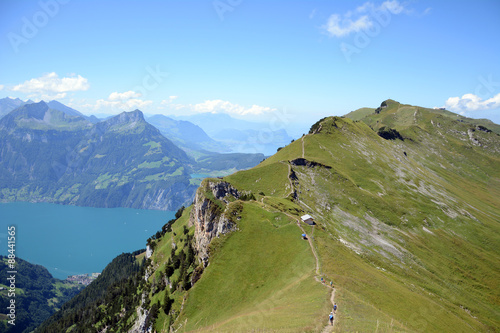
210, 214
310, 164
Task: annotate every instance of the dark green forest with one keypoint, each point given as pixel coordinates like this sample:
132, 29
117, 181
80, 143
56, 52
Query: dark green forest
38, 295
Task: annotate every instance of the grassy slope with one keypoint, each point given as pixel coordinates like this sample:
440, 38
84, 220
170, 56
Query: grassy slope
454, 268
360, 113
407, 231
260, 278
368, 113
439, 281
159, 258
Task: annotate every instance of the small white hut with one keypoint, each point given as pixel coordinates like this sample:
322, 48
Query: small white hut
307, 219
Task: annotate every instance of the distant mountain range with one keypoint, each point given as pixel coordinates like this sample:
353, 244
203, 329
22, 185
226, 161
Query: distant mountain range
240, 135
70, 111
206, 132
49, 155
8, 104
50, 152
186, 135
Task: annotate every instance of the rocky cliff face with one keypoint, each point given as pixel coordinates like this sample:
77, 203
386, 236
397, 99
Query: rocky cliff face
210, 214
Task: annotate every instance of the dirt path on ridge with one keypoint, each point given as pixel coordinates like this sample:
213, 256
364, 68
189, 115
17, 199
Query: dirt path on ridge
303, 154
328, 327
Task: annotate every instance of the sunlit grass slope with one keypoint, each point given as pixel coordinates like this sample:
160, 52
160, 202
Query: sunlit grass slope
408, 229
260, 277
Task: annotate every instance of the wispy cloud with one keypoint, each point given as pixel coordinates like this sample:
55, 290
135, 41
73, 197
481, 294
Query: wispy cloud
127, 100
362, 18
216, 106
2, 86
51, 86
130, 100
471, 102
116, 96
220, 106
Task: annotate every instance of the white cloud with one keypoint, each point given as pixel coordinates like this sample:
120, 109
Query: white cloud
116, 102
361, 18
116, 96
1, 86
215, 106
393, 6
51, 83
471, 102
341, 27
220, 106
129, 104
113, 104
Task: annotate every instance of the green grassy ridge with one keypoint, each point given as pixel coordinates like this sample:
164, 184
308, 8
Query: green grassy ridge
269, 179
264, 273
261, 275
461, 187
159, 260
373, 176
360, 113
395, 112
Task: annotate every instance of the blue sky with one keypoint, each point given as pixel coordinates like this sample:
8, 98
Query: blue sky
296, 61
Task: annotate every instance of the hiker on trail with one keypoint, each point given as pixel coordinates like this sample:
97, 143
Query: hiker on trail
322, 281
335, 308
331, 318
331, 284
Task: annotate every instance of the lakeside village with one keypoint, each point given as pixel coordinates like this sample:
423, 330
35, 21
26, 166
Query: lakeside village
84, 279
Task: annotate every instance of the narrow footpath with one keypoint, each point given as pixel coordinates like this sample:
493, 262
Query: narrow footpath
303, 153
328, 327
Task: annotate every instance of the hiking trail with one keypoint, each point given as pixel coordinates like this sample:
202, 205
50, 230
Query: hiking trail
303, 154
328, 327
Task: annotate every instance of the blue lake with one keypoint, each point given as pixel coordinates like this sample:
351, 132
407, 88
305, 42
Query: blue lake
70, 240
